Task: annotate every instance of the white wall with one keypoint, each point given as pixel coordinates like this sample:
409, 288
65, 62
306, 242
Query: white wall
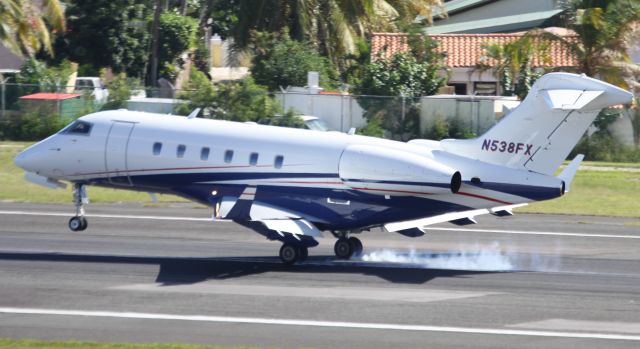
340, 111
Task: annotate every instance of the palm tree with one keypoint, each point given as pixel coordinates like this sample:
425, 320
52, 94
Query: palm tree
514, 61
23, 28
603, 28
333, 26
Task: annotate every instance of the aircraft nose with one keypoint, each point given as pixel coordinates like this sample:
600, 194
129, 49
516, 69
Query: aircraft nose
24, 160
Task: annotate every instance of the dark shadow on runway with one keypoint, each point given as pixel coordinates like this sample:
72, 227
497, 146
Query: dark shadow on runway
177, 270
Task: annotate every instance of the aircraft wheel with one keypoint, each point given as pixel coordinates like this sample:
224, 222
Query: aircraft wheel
289, 253
343, 249
356, 245
84, 222
303, 253
77, 223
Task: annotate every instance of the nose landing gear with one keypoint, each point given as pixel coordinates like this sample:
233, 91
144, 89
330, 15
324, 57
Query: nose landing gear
79, 222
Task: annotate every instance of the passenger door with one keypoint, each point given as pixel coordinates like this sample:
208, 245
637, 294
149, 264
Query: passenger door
116, 152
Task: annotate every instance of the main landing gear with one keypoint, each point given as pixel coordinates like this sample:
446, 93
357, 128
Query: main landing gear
290, 253
78, 222
346, 247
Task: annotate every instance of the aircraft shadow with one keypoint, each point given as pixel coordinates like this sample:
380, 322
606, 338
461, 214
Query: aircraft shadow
186, 270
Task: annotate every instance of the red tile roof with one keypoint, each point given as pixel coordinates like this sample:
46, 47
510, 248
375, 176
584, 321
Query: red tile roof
465, 50
51, 96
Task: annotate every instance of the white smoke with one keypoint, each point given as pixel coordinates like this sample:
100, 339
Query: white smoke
478, 257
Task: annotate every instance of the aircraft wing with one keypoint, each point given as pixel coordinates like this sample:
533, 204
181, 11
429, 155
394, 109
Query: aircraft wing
409, 228
274, 219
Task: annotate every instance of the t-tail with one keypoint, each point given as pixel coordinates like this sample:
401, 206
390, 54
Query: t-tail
540, 133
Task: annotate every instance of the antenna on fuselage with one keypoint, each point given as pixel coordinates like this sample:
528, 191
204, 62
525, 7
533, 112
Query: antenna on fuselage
194, 113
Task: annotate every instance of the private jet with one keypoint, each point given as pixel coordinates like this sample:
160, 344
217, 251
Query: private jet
292, 185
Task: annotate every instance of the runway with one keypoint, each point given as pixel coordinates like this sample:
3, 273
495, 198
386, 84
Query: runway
169, 274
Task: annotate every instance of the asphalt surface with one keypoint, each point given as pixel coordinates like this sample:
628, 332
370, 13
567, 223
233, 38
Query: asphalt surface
153, 274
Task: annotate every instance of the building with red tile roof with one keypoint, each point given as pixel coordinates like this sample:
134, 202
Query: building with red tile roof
464, 54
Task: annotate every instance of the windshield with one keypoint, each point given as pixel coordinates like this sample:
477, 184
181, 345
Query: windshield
78, 127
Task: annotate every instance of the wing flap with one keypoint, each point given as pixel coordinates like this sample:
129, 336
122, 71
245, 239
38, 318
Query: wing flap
459, 218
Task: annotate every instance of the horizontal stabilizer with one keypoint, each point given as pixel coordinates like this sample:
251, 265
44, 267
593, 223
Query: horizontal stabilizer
569, 99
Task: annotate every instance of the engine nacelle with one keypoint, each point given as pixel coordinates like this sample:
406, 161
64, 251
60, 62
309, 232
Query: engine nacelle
383, 171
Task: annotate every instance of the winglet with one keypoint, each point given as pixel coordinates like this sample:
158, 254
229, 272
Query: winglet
570, 171
194, 113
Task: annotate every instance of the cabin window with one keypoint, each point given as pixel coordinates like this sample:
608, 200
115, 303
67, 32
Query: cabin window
204, 154
228, 156
157, 148
180, 150
253, 159
277, 163
79, 128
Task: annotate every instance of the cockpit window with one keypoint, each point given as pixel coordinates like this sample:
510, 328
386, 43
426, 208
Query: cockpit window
78, 128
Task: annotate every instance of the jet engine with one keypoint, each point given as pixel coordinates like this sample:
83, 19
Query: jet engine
383, 171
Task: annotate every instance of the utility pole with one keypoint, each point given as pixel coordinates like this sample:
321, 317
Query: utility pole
155, 34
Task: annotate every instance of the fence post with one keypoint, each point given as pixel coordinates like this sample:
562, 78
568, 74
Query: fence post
2, 98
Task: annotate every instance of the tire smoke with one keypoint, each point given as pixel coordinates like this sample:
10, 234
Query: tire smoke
477, 258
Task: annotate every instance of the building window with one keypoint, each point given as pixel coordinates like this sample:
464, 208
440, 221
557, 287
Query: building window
485, 88
459, 89
277, 163
180, 150
157, 148
228, 156
253, 159
204, 154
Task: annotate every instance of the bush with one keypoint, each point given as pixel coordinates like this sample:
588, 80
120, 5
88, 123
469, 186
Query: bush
120, 89
237, 101
279, 61
31, 126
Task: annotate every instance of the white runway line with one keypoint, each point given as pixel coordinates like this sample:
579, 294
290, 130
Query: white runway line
197, 219
314, 323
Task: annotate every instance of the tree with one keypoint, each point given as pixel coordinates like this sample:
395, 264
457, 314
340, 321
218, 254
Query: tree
177, 34
390, 88
513, 63
603, 28
23, 25
109, 33
332, 26
279, 61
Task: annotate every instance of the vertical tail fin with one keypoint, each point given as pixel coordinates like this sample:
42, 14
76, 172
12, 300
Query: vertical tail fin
542, 131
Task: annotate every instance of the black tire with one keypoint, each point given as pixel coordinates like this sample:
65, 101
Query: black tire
356, 245
84, 222
289, 254
303, 253
75, 224
343, 249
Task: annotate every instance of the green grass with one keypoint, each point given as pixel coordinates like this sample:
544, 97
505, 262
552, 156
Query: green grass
601, 193
40, 344
610, 164
14, 188
608, 193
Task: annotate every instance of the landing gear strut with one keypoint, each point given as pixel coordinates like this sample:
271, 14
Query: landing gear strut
78, 222
290, 253
345, 247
